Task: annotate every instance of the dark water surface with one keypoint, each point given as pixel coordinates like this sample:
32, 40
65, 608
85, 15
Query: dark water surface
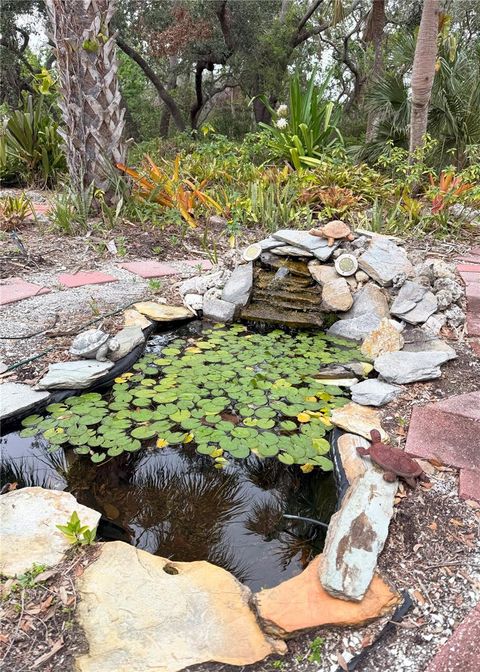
174, 503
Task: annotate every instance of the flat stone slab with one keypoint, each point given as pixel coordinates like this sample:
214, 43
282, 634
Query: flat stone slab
448, 431
353, 465
16, 289
238, 287
292, 251
301, 239
355, 328
461, 652
301, 603
356, 535
374, 392
76, 375
16, 398
85, 278
132, 318
357, 420
29, 534
408, 367
161, 312
383, 260
143, 612
149, 269
414, 303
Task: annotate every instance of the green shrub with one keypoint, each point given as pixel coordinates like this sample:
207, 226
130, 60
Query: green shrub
32, 143
302, 131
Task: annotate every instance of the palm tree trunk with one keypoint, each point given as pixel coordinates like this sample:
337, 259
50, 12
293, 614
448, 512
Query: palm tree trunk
423, 72
375, 35
90, 101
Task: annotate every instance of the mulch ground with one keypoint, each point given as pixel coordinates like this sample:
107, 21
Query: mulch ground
37, 617
433, 548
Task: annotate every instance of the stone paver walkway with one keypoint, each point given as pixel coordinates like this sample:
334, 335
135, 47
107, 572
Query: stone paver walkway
461, 653
15, 289
449, 431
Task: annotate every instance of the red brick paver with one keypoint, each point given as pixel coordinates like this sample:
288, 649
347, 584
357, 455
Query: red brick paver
462, 651
85, 278
16, 289
449, 431
149, 269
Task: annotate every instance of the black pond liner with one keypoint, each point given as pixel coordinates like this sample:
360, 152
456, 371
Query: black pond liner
106, 381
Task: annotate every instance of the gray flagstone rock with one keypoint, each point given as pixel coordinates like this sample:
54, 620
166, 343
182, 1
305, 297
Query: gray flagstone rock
286, 250
373, 392
408, 367
270, 243
301, 239
239, 285
414, 303
356, 535
16, 398
369, 307
383, 260
75, 375
216, 309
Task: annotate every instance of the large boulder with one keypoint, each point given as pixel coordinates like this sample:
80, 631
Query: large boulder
29, 527
238, 288
143, 612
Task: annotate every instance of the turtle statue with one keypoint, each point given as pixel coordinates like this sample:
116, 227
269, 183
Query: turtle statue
93, 344
394, 462
332, 231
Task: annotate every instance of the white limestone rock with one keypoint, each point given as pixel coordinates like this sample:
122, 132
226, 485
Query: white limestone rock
29, 527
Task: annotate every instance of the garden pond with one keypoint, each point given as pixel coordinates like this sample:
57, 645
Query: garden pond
215, 446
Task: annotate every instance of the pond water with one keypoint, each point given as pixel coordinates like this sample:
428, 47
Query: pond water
209, 491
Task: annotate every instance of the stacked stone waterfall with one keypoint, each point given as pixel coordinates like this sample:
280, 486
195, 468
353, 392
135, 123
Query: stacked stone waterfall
390, 305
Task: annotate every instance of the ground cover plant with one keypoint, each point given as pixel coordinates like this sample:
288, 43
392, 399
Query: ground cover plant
229, 392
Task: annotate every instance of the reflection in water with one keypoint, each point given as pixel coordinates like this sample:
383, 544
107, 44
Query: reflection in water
174, 504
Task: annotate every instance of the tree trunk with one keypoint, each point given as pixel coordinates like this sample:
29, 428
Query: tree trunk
423, 72
90, 95
374, 34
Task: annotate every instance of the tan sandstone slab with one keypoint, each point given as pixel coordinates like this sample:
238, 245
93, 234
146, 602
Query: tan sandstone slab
357, 419
385, 338
142, 612
132, 318
301, 603
162, 313
28, 519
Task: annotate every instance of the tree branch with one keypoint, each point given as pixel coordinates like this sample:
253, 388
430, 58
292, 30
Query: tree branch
153, 77
308, 14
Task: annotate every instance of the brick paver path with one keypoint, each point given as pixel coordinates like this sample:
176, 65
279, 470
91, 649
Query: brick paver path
462, 651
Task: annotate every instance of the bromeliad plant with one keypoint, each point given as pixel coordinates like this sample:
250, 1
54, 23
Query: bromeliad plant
228, 393
448, 190
302, 131
174, 192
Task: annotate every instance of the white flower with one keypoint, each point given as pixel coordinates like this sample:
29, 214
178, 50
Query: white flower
281, 123
282, 110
